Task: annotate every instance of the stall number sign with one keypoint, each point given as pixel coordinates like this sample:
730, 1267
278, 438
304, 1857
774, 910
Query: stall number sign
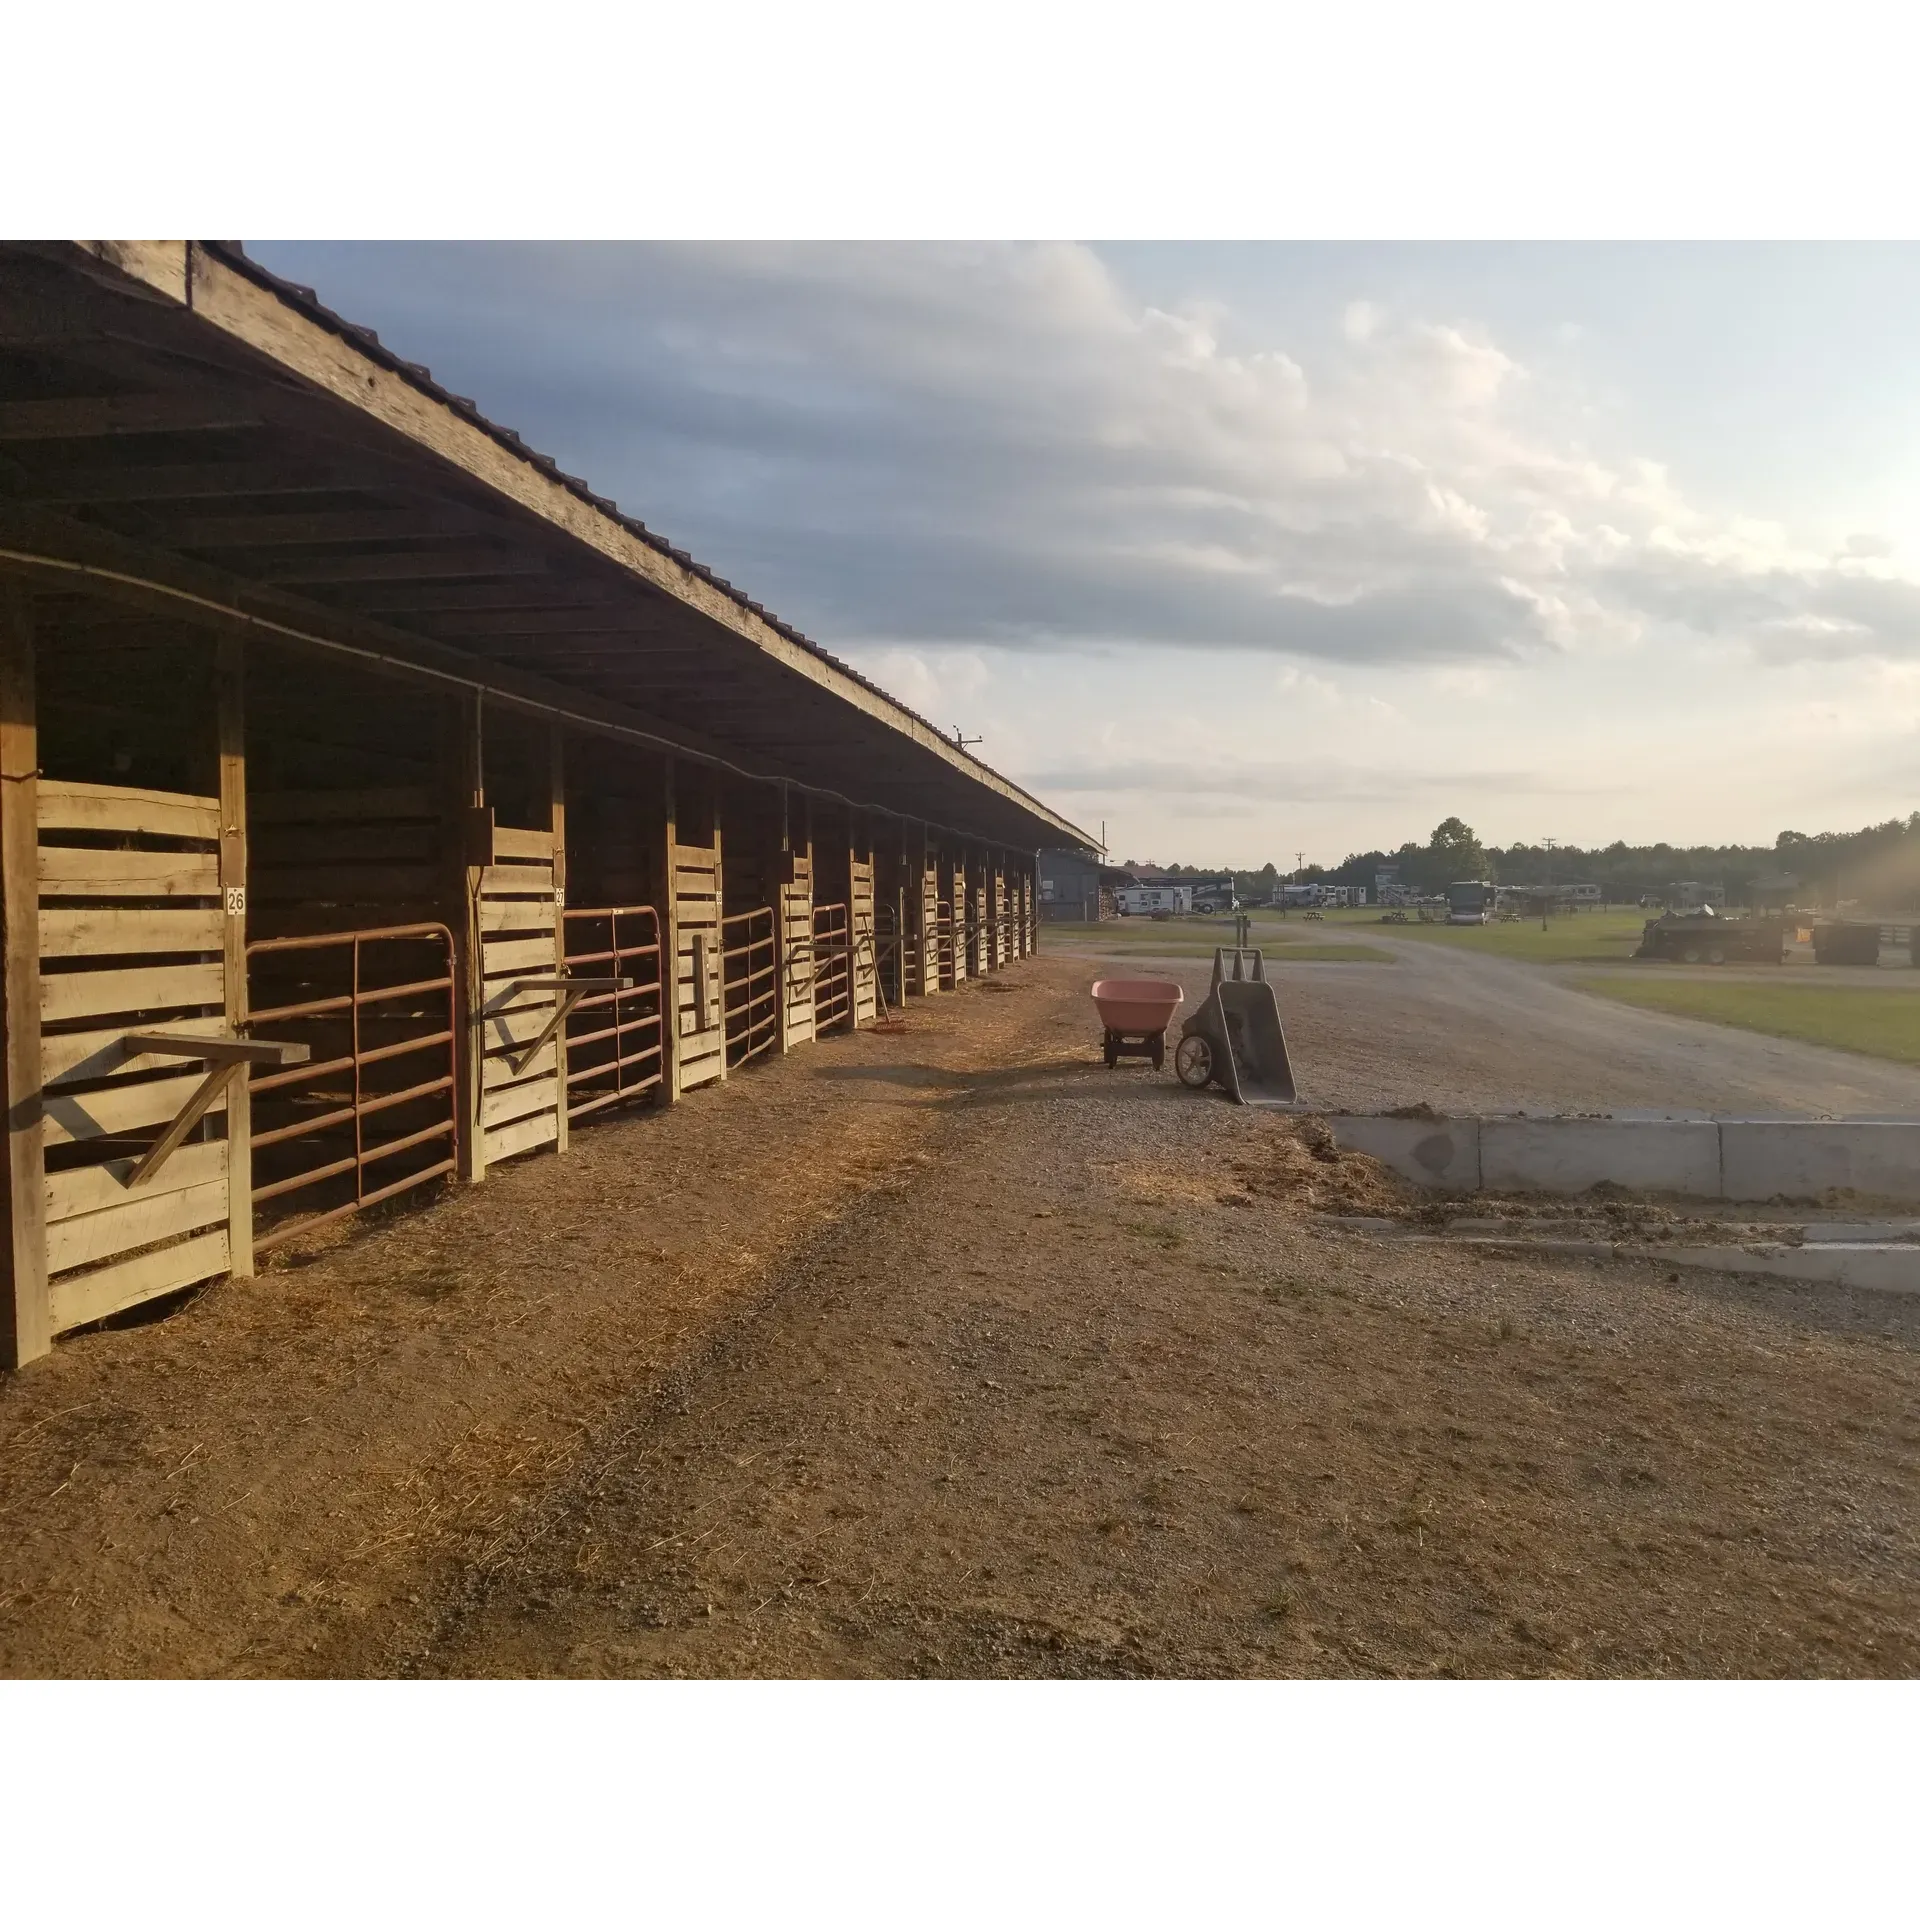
236, 900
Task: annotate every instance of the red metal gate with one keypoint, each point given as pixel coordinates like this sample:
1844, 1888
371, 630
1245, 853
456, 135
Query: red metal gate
613, 1039
832, 967
750, 987
372, 1112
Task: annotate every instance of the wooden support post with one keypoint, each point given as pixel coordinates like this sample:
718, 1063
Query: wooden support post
25, 1318
782, 868
992, 914
557, 821
230, 690
897, 983
717, 958
469, 830
666, 906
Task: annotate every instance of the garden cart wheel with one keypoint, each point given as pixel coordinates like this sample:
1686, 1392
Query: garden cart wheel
1193, 1060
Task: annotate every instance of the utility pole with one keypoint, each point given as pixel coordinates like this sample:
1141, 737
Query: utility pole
1550, 843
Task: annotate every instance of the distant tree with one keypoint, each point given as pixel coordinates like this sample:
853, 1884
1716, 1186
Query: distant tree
1453, 852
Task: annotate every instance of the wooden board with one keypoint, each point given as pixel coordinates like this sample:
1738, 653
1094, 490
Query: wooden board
531, 880
92, 1296
116, 1109
72, 806
96, 1053
88, 1189
497, 1069
511, 1101
516, 953
88, 995
523, 1136
698, 1070
85, 932
138, 1221
519, 916
927, 976
522, 843
97, 872
860, 918
796, 948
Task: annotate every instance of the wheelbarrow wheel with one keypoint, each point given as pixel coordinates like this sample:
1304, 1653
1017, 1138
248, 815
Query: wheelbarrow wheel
1193, 1060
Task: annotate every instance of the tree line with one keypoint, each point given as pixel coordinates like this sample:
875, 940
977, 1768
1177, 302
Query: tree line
1878, 866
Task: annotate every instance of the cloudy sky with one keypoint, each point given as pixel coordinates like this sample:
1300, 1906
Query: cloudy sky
1251, 551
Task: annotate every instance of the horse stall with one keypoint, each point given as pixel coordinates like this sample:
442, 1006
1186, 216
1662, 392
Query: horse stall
614, 1033
377, 803
750, 946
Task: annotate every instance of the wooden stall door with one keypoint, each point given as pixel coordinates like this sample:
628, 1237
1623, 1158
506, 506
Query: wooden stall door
860, 934
697, 957
796, 947
520, 1086
133, 941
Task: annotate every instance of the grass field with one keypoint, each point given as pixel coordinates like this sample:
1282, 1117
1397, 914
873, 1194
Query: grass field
1612, 933
1884, 1024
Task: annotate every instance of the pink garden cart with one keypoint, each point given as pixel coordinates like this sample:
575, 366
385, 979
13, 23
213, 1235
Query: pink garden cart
1135, 1014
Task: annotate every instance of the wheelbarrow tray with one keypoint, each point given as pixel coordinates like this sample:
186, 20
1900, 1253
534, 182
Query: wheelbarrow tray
1135, 1014
1136, 1009
1240, 1020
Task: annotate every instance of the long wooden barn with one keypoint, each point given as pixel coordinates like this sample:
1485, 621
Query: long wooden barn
376, 801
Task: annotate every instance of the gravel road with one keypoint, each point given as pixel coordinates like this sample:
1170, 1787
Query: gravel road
1470, 1031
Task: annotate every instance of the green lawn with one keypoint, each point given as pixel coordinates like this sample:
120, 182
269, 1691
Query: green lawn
1610, 933
1883, 1023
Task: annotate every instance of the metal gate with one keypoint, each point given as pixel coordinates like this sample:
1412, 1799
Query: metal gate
750, 985
372, 1112
613, 1039
832, 967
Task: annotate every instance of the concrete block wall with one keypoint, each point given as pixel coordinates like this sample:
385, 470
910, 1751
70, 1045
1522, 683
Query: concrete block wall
1705, 1159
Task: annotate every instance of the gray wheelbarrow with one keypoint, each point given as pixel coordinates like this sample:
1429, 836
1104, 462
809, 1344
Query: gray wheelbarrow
1235, 1040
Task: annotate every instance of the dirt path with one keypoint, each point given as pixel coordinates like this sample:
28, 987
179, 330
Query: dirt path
267, 1478
1005, 1364
1125, 1409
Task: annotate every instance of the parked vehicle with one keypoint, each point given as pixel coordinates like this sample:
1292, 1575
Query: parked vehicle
1705, 937
1846, 943
1469, 903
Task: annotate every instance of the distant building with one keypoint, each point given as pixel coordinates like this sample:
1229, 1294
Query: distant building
1689, 896
1069, 885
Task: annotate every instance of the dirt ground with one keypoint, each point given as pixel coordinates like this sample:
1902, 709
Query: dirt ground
948, 1352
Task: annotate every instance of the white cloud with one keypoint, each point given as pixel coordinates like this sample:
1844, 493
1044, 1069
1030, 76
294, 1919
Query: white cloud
996, 446
1030, 503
